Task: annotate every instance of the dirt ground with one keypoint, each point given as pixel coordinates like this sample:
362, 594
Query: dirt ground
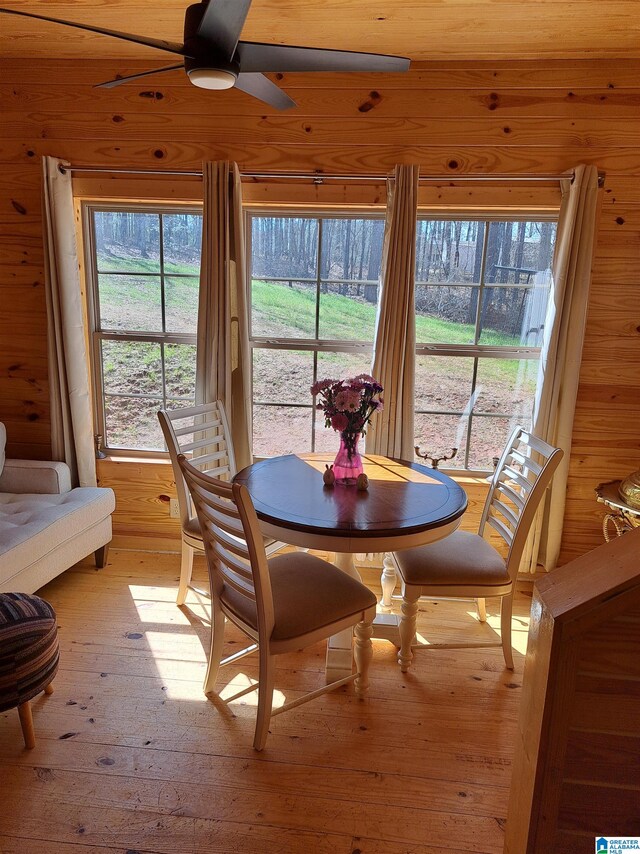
286, 377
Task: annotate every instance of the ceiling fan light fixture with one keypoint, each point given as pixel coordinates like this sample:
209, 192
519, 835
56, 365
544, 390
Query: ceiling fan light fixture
211, 78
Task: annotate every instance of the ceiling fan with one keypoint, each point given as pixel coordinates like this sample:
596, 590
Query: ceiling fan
215, 59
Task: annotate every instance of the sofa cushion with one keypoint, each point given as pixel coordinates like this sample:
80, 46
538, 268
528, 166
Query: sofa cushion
3, 442
35, 476
31, 526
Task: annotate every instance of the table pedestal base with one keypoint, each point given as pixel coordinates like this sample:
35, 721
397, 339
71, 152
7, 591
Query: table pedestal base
339, 647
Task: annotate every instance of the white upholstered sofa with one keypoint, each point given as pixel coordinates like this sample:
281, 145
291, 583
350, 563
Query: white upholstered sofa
45, 525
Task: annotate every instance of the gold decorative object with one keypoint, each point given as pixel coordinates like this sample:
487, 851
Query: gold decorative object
362, 482
630, 490
100, 454
432, 458
329, 476
621, 515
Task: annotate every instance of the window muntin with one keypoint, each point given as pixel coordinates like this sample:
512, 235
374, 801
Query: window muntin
313, 290
482, 288
144, 268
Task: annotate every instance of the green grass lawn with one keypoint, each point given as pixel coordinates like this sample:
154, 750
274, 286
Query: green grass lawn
349, 319
131, 264
274, 305
290, 312
277, 310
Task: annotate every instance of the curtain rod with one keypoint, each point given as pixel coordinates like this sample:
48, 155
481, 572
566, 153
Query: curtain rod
317, 177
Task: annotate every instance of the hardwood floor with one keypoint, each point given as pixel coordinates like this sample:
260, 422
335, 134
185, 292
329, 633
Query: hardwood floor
131, 757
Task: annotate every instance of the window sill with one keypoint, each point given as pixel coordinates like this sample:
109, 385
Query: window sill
133, 459
461, 477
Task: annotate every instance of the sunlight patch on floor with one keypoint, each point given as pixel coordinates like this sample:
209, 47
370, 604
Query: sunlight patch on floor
519, 632
519, 629
153, 593
240, 683
183, 671
158, 605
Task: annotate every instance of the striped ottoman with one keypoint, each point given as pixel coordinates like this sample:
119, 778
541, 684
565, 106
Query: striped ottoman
28, 654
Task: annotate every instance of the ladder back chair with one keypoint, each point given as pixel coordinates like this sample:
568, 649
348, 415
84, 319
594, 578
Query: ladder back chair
282, 605
464, 565
203, 433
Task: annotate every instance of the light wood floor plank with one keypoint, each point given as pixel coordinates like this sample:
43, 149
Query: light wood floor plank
18, 845
168, 803
405, 788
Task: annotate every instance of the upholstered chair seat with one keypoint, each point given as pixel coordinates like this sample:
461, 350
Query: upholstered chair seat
461, 559
308, 594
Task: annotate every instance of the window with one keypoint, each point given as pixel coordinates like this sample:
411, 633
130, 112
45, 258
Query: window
482, 289
313, 298
143, 267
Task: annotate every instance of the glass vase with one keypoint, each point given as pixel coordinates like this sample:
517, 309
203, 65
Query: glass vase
348, 462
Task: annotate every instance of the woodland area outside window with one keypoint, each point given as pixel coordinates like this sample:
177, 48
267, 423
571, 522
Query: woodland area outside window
144, 267
313, 297
482, 288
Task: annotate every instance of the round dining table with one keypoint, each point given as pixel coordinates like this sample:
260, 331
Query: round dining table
406, 504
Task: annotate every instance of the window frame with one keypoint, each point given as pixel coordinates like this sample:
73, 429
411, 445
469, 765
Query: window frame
97, 335
476, 351
308, 345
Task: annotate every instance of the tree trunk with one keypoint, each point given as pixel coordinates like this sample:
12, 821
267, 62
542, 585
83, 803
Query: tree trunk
375, 257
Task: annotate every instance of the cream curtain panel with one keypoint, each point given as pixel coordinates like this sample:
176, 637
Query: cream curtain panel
559, 370
223, 361
391, 432
69, 387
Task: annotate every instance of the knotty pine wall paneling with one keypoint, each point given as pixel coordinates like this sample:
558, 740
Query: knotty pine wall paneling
515, 118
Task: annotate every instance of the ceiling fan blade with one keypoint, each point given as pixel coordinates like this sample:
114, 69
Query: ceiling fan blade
262, 88
254, 56
158, 43
222, 24
118, 80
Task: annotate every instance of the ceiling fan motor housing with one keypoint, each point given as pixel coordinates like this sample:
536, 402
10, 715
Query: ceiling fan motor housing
204, 67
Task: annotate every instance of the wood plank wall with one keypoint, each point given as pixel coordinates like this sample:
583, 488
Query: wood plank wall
501, 118
576, 768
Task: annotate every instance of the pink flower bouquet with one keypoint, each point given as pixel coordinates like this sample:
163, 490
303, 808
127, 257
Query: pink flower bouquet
348, 406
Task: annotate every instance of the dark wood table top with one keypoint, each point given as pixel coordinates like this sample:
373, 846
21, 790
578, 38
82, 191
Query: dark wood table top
402, 498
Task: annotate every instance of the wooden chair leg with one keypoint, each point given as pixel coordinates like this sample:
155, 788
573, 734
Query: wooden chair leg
265, 698
410, 596
363, 653
101, 555
481, 605
26, 722
217, 642
49, 688
506, 608
186, 569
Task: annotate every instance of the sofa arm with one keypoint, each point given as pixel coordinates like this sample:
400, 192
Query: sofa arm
35, 477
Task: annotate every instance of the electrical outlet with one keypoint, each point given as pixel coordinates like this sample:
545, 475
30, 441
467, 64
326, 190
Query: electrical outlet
174, 508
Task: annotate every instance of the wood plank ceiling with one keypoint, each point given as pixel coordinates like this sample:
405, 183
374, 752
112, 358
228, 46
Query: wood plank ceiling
420, 29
